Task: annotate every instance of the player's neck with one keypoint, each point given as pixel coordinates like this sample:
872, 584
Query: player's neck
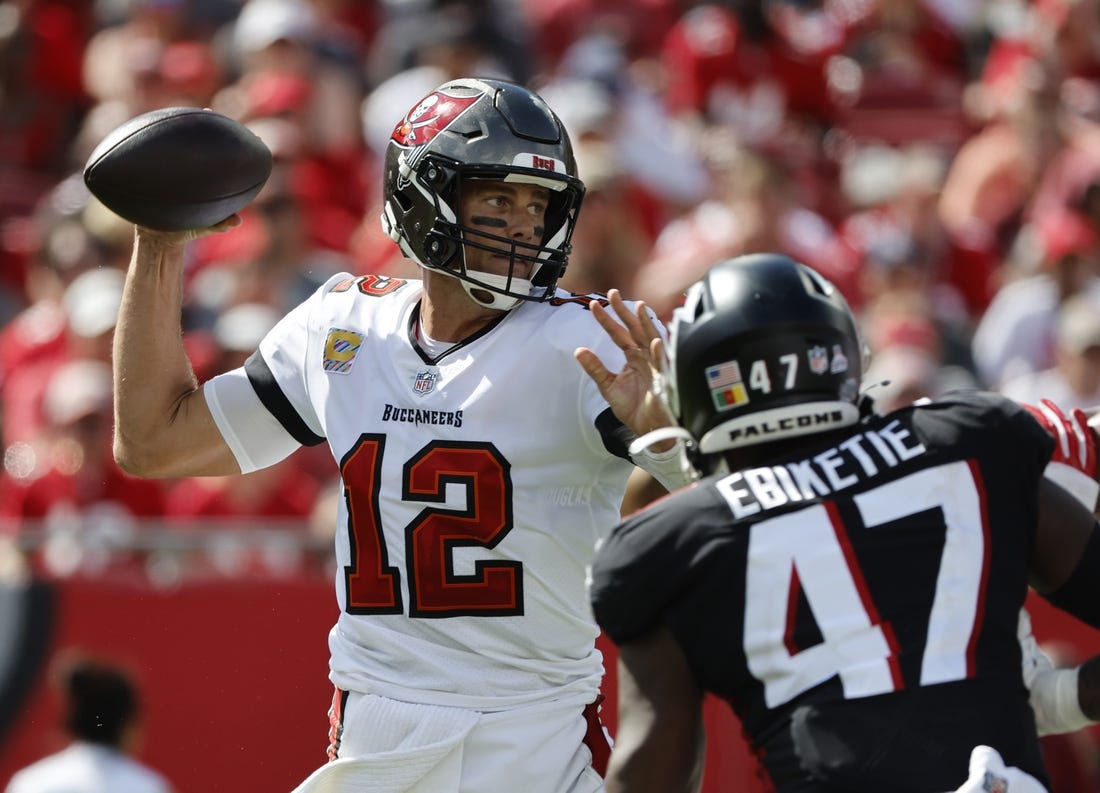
447, 313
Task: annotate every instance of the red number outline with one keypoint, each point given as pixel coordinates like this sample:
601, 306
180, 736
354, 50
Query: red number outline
378, 285
372, 585
809, 550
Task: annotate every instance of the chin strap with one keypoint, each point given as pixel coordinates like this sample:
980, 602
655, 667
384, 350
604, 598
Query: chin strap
496, 301
494, 286
672, 467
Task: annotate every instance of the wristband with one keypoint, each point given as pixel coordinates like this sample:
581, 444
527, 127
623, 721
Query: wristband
1055, 702
670, 467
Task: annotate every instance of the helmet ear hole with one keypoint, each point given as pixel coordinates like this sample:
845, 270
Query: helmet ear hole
439, 250
434, 175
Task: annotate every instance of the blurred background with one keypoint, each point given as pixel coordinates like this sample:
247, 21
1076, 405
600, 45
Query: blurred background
939, 160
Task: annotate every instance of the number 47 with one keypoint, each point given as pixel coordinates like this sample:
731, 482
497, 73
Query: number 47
811, 549
759, 380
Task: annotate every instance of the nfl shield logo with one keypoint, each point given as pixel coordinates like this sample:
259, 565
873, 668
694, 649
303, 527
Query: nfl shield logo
994, 784
425, 382
819, 359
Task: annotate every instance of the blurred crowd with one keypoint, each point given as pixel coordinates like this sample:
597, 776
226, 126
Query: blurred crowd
938, 159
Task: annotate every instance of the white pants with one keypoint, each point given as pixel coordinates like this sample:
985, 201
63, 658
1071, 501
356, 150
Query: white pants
400, 747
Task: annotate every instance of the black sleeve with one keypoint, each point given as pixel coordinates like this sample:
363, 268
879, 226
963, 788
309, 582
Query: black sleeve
1033, 436
982, 421
649, 559
267, 389
616, 436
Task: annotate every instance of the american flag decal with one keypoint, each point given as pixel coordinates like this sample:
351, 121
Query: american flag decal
723, 374
726, 388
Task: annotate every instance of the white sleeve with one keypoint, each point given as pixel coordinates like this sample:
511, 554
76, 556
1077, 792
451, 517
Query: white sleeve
255, 436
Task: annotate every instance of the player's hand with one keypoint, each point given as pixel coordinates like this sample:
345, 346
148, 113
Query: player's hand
1073, 465
169, 239
1075, 439
630, 391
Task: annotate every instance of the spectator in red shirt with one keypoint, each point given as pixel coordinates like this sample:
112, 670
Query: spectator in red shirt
67, 469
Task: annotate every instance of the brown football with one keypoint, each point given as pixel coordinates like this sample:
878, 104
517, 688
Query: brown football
178, 168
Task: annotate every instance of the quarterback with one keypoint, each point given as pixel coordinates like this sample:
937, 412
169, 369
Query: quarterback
480, 464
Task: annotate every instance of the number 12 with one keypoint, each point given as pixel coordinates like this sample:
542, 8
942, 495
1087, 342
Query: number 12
373, 584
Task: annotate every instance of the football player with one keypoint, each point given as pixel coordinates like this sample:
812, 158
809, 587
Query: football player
479, 463
850, 583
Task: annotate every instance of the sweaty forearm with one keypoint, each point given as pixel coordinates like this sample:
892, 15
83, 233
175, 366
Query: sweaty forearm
162, 425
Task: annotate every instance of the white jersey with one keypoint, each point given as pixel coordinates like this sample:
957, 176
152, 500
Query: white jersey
475, 487
88, 768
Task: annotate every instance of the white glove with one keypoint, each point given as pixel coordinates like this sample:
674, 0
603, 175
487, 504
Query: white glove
988, 774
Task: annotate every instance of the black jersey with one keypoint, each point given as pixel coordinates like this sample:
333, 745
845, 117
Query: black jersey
867, 594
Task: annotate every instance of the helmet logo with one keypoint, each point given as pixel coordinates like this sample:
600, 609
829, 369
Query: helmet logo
819, 359
726, 388
433, 114
840, 360
538, 162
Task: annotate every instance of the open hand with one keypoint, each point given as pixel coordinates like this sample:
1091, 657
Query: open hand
630, 391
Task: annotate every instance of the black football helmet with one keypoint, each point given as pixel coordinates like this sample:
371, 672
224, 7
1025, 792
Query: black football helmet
483, 129
763, 349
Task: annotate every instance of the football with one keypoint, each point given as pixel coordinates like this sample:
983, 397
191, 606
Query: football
178, 168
